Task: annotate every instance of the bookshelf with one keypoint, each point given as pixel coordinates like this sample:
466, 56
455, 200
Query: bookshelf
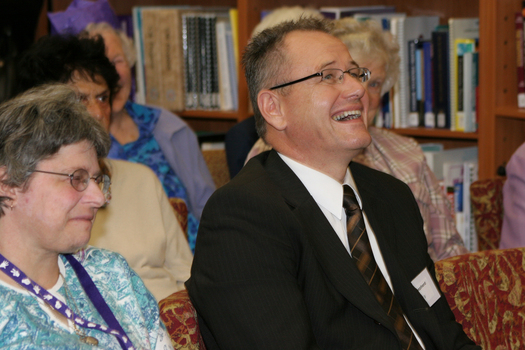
501, 124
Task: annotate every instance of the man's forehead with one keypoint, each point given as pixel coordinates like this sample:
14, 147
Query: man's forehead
317, 48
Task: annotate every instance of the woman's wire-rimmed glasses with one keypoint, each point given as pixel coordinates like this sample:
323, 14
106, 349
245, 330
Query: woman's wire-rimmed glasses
79, 180
332, 76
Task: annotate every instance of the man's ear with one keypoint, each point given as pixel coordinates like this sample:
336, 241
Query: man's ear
270, 106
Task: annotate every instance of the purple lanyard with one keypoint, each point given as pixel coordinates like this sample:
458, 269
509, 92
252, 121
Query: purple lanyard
91, 290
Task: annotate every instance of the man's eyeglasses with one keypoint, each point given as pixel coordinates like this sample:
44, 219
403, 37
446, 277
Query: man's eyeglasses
332, 76
79, 180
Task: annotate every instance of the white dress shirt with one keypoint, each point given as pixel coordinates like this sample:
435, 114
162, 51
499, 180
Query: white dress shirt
328, 194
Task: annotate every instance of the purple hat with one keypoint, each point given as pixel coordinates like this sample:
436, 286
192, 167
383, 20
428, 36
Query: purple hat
79, 14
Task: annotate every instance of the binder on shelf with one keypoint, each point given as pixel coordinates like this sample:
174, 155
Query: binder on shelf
441, 77
428, 105
459, 28
463, 81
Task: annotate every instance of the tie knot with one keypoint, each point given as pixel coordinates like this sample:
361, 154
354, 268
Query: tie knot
349, 199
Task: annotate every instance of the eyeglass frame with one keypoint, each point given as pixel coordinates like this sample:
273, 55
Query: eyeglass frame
105, 179
320, 74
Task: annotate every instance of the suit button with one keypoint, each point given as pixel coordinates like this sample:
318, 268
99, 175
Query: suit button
377, 323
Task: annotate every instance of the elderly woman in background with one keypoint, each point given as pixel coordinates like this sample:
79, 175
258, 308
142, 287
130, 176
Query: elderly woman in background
389, 152
139, 223
154, 136
53, 292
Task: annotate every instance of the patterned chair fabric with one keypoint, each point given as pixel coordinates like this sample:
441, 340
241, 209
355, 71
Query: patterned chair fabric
485, 290
487, 208
180, 319
181, 212
216, 161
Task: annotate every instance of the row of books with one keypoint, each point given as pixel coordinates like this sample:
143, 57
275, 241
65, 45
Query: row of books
186, 57
457, 169
438, 68
437, 86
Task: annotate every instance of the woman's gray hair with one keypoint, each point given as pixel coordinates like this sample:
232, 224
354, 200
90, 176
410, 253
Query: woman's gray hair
127, 43
368, 39
36, 124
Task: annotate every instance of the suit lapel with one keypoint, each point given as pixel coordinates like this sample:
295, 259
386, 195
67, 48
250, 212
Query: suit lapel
330, 252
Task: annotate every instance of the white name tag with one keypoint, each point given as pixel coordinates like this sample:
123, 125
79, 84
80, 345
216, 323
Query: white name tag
426, 287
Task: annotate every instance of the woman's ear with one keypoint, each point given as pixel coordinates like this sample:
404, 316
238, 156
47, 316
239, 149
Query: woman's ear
6, 190
270, 106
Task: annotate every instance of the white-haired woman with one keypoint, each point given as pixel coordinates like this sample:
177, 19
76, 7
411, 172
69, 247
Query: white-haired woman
154, 136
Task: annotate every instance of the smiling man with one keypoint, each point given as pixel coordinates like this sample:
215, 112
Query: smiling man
305, 249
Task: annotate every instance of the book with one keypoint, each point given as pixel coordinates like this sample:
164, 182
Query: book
341, 12
151, 47
413, 55
428, 104
234, 23
459, 28
226, 98
470, 174
470, 83
140, 94
441, 75
461, 47
407, 29
191, 60
520, 73
169, 36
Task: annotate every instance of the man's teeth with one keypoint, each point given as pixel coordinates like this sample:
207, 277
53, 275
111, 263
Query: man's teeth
347, 116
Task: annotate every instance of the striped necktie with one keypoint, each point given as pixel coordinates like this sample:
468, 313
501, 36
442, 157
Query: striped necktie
364, 259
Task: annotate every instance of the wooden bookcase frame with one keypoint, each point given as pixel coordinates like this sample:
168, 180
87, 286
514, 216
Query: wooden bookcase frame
501, 124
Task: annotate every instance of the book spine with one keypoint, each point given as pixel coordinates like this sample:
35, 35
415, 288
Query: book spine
232, 61
519, 59
225, 94
151, 52
413, 116
214, 61
460, 48
420, 81
140, 94
441, 89
430, 121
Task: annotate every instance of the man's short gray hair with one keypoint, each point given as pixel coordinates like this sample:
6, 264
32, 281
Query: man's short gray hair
36, 124
265, 57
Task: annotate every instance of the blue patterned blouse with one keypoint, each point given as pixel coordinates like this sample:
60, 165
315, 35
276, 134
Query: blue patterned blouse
146, 150
25, 323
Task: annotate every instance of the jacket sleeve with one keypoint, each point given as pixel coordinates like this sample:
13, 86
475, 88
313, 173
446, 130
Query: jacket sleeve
181, 148
244, 284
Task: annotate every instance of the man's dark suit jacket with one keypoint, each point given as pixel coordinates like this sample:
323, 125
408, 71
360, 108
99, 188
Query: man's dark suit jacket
269, 271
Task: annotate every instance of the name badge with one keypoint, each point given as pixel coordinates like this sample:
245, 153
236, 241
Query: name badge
426, 287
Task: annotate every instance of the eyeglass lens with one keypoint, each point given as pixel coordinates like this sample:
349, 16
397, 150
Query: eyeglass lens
80, 180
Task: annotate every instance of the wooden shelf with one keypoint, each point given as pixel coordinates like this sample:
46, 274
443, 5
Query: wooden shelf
510, 112
207, 114
437, 133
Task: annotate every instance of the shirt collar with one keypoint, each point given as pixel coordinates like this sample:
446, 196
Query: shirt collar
326, 191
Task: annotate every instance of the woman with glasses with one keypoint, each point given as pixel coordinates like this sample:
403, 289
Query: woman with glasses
54, 291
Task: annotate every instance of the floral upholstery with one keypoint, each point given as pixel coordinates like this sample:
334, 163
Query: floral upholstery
217, 165
487, 207
485, 290
181, 212
180, 319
